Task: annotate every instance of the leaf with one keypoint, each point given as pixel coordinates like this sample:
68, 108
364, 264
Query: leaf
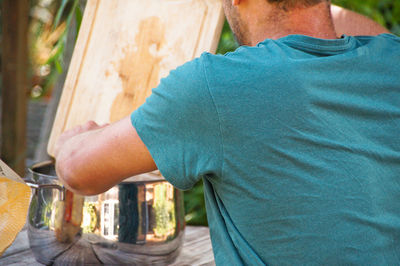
195, 206
58, 66
78, 18
59, 13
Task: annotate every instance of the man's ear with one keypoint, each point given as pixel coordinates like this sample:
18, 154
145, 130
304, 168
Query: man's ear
235, 2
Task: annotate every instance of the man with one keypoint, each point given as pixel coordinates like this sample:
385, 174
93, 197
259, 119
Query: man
295, 135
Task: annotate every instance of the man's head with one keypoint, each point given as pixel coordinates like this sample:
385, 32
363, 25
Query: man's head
246, 17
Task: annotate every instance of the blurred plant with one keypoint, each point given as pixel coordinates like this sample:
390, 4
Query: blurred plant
48, 35
227, 42
195, 212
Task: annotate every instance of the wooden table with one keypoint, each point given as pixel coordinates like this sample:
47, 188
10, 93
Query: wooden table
196, 249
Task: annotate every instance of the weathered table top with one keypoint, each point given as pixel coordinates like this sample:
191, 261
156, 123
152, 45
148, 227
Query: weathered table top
196, 249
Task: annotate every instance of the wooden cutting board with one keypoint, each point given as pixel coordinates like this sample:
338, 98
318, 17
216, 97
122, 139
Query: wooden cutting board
123, 50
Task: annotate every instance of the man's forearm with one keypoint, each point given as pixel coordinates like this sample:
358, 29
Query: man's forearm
353, 24
91, 159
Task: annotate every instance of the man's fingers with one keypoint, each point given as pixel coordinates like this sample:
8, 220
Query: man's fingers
91, 125
104, 125
88, 126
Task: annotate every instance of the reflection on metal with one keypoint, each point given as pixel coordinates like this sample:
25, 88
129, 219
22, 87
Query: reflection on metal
134, 222
109, 223
89, 221
164, 212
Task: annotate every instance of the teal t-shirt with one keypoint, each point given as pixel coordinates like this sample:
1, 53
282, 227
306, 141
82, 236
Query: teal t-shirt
297, 141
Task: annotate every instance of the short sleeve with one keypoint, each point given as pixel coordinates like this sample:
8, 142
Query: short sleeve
179, 125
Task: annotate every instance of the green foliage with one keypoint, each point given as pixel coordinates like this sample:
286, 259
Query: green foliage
385, 12
48, 36
56, 59
195, 205
227, 42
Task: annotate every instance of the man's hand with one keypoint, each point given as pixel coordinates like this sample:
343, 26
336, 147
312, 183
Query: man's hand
91, 159
67, 135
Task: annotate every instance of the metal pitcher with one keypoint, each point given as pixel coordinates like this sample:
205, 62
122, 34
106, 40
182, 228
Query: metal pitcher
140, 221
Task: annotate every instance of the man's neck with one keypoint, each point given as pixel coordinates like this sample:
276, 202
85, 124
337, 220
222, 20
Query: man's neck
315, 21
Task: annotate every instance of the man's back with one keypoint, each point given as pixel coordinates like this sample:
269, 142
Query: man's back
297, 143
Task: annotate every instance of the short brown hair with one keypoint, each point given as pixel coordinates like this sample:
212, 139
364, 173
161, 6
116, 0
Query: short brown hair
288, 4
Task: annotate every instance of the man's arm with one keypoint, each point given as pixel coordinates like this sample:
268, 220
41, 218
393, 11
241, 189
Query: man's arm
353, 24
90, 159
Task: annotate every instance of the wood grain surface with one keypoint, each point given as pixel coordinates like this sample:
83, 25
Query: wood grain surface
123, 50
196, 250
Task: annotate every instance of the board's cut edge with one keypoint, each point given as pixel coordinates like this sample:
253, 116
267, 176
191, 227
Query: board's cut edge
218, 20
73, 73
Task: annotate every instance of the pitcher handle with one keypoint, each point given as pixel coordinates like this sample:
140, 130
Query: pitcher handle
36, 187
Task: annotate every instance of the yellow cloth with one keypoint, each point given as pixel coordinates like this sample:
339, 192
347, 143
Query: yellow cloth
14, 202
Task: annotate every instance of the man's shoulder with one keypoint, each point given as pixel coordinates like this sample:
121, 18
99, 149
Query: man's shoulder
242, 53
244, 58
